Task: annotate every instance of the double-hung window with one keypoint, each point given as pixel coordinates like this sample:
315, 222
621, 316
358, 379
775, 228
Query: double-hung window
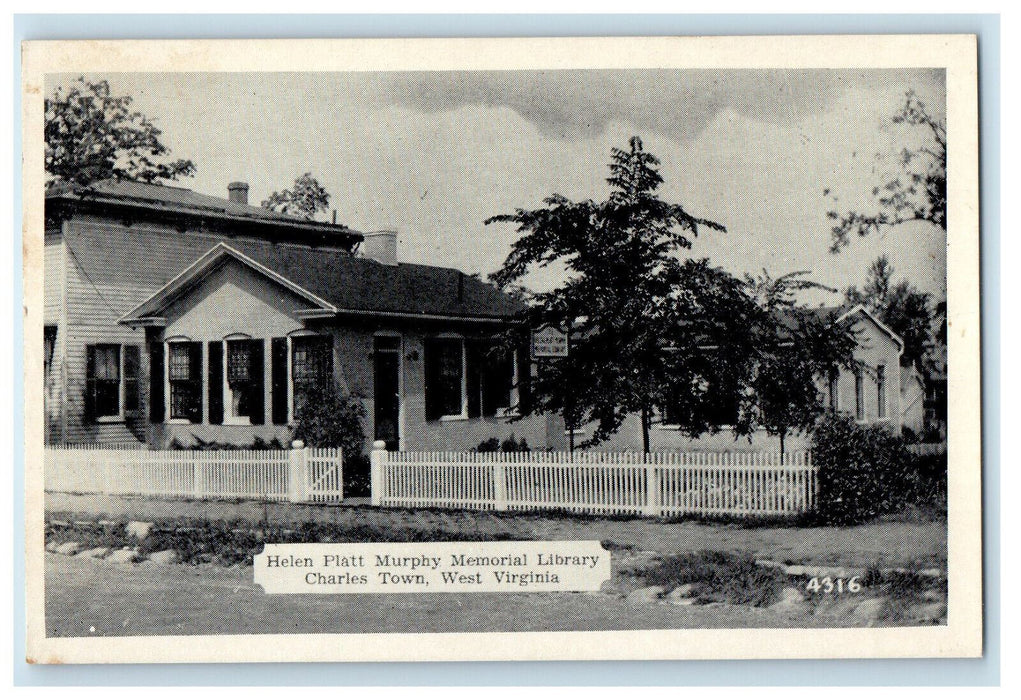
239, 379
881, 391
445, 379
859, 392
311, 368
184, 375
111, 379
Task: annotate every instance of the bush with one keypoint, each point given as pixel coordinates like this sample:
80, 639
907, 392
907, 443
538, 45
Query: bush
329, 419
718, 577
864, 471
511, 444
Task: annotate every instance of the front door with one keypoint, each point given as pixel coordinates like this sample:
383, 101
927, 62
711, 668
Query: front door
387, 390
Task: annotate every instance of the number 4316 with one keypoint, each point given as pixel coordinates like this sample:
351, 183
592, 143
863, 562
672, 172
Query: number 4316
830, 585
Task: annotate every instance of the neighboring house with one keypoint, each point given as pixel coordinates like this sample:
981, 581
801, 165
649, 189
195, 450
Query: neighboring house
176, 316
870, 393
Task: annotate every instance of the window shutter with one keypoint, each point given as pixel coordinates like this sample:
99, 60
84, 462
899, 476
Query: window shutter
473, 381
257, 383
156, 394
216, 382
132, 363
524, 380
278, 377
90, 384
195, 377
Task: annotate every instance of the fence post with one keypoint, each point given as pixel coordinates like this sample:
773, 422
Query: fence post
197, 470
297, 486
651, 489
500, 484
377, 458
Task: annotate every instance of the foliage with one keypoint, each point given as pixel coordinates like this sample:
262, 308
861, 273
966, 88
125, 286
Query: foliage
624, 301
306, 199
917, 193
719, 577
907, 311
510, 444
864, 471
328, 419
92, 135
796, 348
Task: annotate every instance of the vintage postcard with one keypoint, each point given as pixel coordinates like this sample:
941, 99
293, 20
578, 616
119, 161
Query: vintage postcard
411, 350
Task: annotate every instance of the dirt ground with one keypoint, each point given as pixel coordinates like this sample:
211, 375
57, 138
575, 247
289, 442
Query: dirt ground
884, 544
89, 597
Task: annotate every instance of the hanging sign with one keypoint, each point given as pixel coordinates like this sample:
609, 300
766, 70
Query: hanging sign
549, 342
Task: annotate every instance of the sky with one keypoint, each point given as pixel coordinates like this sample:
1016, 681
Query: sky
432, 155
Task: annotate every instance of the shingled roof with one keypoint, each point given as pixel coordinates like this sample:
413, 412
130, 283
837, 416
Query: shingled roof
166, 201
337, 283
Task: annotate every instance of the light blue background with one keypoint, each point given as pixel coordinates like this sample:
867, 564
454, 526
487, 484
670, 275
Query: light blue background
861, 672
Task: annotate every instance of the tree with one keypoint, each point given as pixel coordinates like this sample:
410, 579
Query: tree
624, 301
907, 311
91, 135
917, 193
306, 199
796, 348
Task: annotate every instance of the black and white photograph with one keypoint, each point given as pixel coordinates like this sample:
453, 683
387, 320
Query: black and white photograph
662, 348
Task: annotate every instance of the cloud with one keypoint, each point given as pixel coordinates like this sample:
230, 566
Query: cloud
675, 103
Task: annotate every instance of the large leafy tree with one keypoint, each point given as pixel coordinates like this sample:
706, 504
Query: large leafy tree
92, 135
625, 301
917, 191
907, 311
306, 198
796, 349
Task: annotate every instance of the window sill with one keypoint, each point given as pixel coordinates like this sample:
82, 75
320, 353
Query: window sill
506, 413
179, 421
110, 419
579, 431
237, 421
452, 419
675, 428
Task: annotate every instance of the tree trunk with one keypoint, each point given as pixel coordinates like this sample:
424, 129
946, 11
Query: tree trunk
646, 420
782, 436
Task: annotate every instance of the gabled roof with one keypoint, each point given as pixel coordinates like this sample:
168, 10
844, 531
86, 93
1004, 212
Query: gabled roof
337, 283
177, 201
838, 314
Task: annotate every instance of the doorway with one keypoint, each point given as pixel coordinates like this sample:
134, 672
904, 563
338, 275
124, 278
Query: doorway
386, 355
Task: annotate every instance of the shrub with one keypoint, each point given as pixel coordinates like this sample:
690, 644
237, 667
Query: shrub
511, 444
490, 445
329, 419
864, 471
718, 577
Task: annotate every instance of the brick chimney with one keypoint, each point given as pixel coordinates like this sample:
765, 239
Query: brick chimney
238, 192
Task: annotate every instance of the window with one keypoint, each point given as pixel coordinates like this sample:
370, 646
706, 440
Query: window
717, 404
111, 381
311, 367
49, 343
881, 391
859, 393
445, 375
498, 380
834, 389
239, 378
184, 374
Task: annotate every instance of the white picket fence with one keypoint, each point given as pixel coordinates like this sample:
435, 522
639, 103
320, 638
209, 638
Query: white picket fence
300, 475
658, 484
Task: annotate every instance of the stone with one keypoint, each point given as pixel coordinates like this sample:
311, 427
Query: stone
834, 572
123, 556
645, 595
68, 549
931, 573
790, 599
868, 610
770, 564
931, 595
685, 590
681, 601
167, 556
138, 530
52, 545
94, 553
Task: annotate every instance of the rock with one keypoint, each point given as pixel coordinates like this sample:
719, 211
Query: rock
681, 601
868, 610
930, 613
770, 564
167, 556
790, 599
932, 595
931, 573
685, 590
834, 572
94, 553
123, 556
68, 549
645, 595
52, 545
138, 530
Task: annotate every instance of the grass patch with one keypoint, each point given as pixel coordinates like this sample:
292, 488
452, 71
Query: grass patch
717, 577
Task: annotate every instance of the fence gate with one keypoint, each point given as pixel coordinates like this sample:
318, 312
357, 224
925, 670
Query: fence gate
324, 474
